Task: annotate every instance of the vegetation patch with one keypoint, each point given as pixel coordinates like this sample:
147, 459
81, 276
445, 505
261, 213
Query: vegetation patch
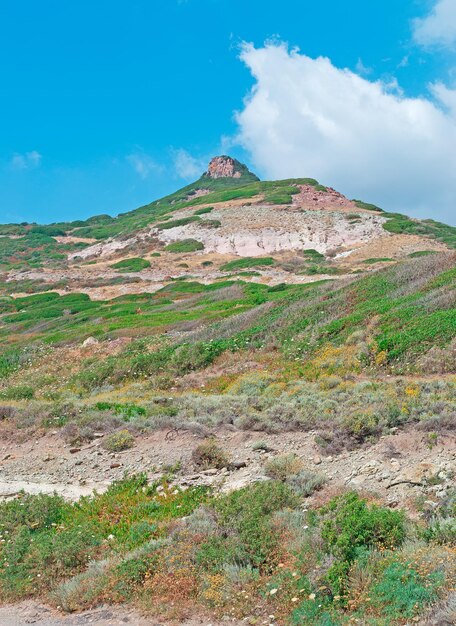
131, 265
185, 245
246, 262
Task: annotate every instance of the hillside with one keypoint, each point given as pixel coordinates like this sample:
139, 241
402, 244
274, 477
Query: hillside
259, 381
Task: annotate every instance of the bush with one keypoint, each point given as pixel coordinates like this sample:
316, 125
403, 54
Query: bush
247, 262
403, 593
131, 265
203, 211
186, 245
209, 455
305, 482
247, 514
118, 441
19, 392
283, 466
351, 523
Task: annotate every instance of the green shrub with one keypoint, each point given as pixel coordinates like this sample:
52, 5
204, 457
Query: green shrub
420, 253
351, 523
247, 262
402, 592
186, 245
365, 205
377, 260
131, 265
19, 392
203, 211
247, 513
180, 222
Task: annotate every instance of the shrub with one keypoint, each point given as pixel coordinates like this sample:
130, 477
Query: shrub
186, 245
118, 441
175, 223
351, 523
247, 513
247, 262
305, 482
211, 223
19, 392
403, 593
209, 455
204, 210
131, 265
283, 466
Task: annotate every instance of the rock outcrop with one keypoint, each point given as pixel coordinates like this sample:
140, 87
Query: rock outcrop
227, 167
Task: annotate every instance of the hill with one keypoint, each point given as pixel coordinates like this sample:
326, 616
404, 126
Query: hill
258, 378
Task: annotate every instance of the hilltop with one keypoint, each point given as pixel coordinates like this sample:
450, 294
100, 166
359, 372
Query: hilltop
226, 224
258, 379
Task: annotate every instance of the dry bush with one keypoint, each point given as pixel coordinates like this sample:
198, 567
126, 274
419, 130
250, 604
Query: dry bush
305, 482
283, 466
209, 454
118, 441
439, 360
414, 274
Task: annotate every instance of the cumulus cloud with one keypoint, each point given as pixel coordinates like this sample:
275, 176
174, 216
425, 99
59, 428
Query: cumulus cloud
306, 117
186, 165
28, 160
142, 163
439, 27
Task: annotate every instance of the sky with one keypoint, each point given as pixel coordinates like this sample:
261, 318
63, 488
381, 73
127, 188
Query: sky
106, 105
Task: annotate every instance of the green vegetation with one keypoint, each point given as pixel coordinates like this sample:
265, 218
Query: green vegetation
377, 260
313, 255
203, 211
398, 223
185, 245
365, 205
134, 264
175, 223
419, 253
246, 262
158, 546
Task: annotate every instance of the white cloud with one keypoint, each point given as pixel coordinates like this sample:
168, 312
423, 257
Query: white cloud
439, 27
306, 117
142, 163
28, 160
186, 165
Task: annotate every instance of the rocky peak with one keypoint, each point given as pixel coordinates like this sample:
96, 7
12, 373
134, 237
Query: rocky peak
226, 167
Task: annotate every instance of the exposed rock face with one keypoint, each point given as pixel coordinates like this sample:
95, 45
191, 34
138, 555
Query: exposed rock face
224, 167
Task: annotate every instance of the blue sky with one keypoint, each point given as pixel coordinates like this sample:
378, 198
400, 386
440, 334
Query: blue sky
108, 104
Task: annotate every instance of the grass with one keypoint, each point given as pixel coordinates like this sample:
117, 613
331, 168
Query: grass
134, 264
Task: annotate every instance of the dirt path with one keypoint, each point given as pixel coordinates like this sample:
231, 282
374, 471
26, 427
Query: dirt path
33, 613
